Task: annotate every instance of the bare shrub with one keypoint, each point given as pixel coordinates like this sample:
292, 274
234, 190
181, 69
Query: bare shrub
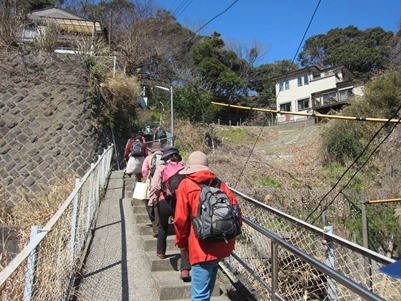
47, 36
192, 137
11, 24
120, 90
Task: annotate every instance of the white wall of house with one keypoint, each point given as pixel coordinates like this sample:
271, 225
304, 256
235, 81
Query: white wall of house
297, 92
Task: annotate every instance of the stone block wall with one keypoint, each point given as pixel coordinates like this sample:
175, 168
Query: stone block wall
48, 123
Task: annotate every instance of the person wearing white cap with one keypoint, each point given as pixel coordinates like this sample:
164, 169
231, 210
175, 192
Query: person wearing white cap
203, 256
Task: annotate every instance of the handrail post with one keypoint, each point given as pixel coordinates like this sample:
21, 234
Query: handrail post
365, 235
90, 199
31, 267
274, 257
74, 222
332, 290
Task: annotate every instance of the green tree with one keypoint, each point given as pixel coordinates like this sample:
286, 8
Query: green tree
260, 81
30, 5
192, 102
344, 140
363, 52
219, 69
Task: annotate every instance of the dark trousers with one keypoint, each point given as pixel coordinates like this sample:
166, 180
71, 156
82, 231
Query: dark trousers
165, 212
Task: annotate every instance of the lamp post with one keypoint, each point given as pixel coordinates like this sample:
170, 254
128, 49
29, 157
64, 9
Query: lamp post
171, 111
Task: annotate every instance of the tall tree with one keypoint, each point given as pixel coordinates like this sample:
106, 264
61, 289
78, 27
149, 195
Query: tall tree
363, 52
261, 82
219, 69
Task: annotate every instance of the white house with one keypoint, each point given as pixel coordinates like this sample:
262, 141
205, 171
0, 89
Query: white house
313, 90
69, 26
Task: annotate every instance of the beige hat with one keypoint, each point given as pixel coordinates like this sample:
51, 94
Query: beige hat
197, 161
156, 146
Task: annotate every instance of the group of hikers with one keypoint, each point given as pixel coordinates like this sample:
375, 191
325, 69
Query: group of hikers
204, 210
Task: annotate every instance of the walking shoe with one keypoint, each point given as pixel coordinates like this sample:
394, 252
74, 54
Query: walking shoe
161, 255
185, 276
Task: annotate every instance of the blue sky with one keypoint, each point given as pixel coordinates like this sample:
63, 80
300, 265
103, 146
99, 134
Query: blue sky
279, 25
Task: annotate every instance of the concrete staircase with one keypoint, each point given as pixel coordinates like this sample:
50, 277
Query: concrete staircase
165, 272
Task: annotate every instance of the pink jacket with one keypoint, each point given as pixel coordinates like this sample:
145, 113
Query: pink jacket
146, 164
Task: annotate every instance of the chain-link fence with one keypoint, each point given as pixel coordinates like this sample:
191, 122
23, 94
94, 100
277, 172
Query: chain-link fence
45, 269
269, 265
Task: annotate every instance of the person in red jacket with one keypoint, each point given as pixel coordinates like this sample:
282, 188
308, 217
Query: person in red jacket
203, 256
130, 143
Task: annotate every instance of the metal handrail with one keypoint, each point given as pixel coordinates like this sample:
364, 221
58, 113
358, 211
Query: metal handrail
356, 288
328, 236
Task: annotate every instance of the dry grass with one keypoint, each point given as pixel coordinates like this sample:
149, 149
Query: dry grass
192, 137
120, 91
32, 209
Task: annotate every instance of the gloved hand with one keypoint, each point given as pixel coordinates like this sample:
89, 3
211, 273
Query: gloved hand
151, 212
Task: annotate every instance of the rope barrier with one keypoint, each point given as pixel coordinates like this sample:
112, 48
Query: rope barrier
369, 119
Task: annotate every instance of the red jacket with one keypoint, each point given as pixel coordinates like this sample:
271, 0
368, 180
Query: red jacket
187, 205
128, 148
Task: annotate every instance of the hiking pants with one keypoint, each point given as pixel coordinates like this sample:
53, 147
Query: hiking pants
165, 212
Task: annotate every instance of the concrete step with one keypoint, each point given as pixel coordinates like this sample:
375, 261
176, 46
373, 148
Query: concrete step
139, 209
171, 287
146, 229
150, 242
142, 219
170, 263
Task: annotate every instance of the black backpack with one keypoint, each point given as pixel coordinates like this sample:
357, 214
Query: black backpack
137, 149
161, 134
217, 219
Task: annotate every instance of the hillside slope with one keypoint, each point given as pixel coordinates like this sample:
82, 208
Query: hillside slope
286, 167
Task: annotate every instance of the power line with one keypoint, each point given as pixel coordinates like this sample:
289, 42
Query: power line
180, 7
215, 17
189, 3
266, 119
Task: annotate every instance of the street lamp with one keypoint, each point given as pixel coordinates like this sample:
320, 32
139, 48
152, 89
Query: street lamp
171, 111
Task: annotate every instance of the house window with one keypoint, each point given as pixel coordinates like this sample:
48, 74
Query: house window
303, 104
299, 81
284, 85
306, 79
329, 97
285, 107
345, 94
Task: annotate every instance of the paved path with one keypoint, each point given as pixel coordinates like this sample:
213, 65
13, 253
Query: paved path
116, 267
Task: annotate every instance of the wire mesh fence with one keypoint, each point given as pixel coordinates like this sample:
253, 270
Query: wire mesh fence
46, 267
298, 279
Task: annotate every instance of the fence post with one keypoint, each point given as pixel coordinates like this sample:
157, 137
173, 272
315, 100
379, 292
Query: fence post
90, 199
74, 222
30, 269
274, 252
365, 234
332, 290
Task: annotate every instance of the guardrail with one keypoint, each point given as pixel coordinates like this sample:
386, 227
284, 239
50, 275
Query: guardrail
45, 269
285, 258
